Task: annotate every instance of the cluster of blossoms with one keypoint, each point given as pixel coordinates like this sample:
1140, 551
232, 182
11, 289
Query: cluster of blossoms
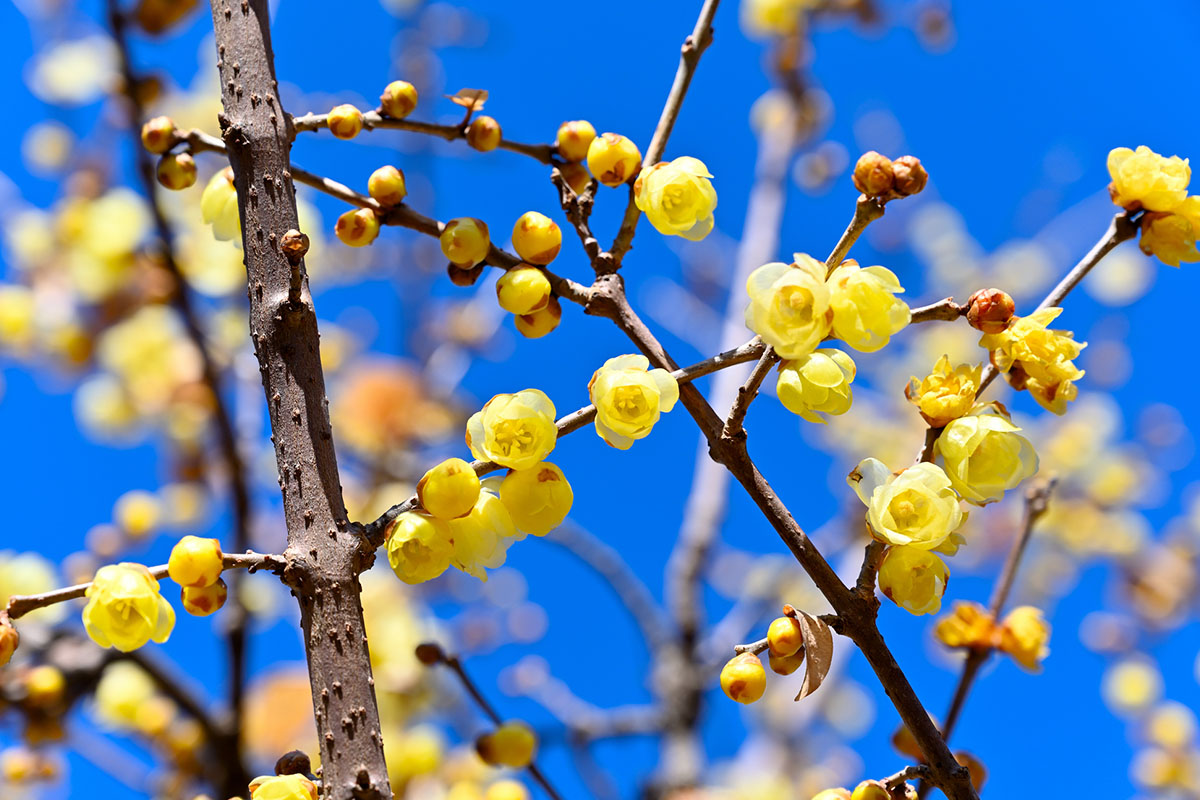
1023, 633
1143, 180
1038, 359
743, 678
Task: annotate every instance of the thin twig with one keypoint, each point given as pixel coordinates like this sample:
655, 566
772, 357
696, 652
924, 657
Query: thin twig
751, 647
866, 211
746, 394
893, 782
945, 310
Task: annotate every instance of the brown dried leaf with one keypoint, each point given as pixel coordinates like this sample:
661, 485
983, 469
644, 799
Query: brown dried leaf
472, 99
818, 647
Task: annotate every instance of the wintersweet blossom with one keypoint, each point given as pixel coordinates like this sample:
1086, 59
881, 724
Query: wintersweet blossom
1040, 358
818, 383
913, 579
916, 507
1143, 179
1025, 635
124, 608
984, 456
419, 547
789, 305
629, 398
513, 430
538, 498
944, 394
866, 311
482, 538
677, 197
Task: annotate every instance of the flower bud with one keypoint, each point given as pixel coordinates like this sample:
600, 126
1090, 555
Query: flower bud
200, 601
357, 228
9, 640
538, 498
137, 513
832, 794
910, 175
282, 787
613, 159
785, 665
523, 290
873, 174
536, 238
294, 245
176, 171
44, 686
386, 185
464, 277
295, 762
743, 678
449, 490
484, 134
429, 653
989, 310
465, 241
784, 637
576, 176
870, 790
513, 744
159, 135
574, 138
345, 121
398, 100
538, 323
195, 561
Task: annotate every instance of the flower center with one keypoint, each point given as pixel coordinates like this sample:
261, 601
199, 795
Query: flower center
631, 403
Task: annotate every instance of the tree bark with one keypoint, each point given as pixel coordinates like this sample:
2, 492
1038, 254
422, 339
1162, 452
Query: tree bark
324, 553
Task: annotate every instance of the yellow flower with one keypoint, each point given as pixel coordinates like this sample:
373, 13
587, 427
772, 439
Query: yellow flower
481, 539
1024, 636
1144, 179
121, 692
917, 507
866, 311
677, 197
418, 547
513, 744
944, 394
219, 206
818, 382
29, 573
913, 579
984, 457
124, 608
1040, 358
282, 787
538, 498
629, 397
967, 625
513, 430
789, 305
763, 18
1172, 236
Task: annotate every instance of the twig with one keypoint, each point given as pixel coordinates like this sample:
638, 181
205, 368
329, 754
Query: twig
752, 647
689, 58
905, 775
866, 211
945, 310
746, 394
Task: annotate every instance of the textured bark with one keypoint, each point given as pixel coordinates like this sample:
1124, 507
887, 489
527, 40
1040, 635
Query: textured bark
324, 556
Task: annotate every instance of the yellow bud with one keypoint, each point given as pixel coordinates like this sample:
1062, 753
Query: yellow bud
574, 138
1024, 635
137, 513
866, 312
399, 99
484, 134
743, 678
870, 790
538, 323
514, 430
613, 159
832, 794
789, 305
784, 637
538, 498
506, 789
18, 765
873, 174
159, 135
465, 241
1144, 179
195, 561
677, 197
816, 384
9, 641
282, 787
913, 579
44, 686
418, 547
154, 716
449, 490
219, 206
345, 121
785, 665
513, 744
357, 228
629, 398
386, 185
124, 608
536, 238
200, 601
576, 176
176, 171
523, 290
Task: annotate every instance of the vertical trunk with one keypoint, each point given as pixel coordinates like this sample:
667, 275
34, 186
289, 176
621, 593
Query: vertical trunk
323, 549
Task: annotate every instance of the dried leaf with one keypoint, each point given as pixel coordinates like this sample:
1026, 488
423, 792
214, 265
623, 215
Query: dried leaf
472, 99
818, 647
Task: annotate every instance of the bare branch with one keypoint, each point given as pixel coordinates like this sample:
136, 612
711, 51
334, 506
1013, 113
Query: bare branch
945, 310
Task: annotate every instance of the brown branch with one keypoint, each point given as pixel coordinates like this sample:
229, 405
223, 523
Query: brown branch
866, 211
545, 153
689, 58
945, 310
893, 782
746, 394
752, 647
324, 554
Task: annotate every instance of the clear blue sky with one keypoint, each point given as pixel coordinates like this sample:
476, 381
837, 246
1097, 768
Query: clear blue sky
1027, 87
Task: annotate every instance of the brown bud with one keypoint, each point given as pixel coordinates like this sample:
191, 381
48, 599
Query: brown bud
464, 277
910, 176
990, 310
873, 174
294, 763
294, 245
430, 653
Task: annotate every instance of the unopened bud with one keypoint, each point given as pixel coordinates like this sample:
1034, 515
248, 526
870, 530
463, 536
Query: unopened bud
574, 138
399, 99
201, 601
430, 653
990, 310
743, 678
576, 176
910, 176
537, 324
294, 245
873, 174
9, 639
464, 277
386, 185
484, 134
158, 135
176, 171
357, 228
294, 763
870, 790
345, 121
